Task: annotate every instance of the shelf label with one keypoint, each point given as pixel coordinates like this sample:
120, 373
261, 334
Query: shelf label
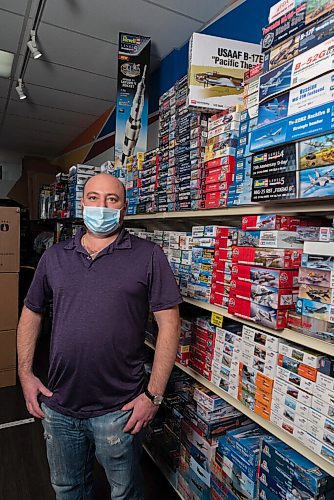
217, 319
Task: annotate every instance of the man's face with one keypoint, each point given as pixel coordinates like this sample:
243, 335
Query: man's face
104, 190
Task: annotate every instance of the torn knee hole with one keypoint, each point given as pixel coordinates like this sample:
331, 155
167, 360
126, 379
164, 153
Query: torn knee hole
114, 439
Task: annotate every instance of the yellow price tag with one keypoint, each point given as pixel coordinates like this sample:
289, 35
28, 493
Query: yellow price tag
217, 319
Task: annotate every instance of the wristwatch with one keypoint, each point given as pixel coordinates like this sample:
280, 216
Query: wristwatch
156, 399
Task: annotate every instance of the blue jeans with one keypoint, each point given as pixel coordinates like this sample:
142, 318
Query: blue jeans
71, 444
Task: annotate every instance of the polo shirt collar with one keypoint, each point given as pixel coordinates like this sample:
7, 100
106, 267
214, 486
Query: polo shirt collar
122, 242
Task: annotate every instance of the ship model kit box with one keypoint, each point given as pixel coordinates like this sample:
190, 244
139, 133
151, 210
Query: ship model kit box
216, 70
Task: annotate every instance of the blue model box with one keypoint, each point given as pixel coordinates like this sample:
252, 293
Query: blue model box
247, 441
316, 121
316, 182
227, 451
305, 472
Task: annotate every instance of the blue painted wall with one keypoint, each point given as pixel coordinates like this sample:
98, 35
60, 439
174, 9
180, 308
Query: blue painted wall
243, 23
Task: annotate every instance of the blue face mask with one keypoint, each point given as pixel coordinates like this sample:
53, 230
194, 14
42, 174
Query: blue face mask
101, 220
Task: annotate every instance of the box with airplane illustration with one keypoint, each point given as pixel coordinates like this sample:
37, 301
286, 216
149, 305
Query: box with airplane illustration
313, 276
262, 276
294, 21
277, 298
316, 259
275, 187
309, 38
316, 152
280, 258
315, 93
320, 294
316, 182
216, 70
269, 239
263, 315
308, 307
281, 159
296, 366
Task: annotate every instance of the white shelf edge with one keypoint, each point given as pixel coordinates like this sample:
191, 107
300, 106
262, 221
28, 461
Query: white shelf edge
287, 334
286, 208
269, 426
163, 472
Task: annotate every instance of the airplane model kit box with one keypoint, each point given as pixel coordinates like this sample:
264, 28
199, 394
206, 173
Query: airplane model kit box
316, 152
216, 69
278, 160
275, 187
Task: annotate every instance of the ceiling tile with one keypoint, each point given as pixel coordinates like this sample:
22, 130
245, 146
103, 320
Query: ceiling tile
48, 116
52, 98
70, 80
111, 17
19, 6
11, 26
202, 11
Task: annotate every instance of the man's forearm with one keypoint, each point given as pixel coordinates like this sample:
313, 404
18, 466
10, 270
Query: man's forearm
27, 335
165, 353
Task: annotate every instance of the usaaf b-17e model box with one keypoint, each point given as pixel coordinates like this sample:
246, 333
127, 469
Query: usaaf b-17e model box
216, 70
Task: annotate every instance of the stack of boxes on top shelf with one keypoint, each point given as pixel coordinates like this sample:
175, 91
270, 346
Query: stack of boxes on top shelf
295, 91
284, 473
240, 191
78, 176
265, 269
148, 177
167, 140
219, 157
9, 292
132, 182
315, 305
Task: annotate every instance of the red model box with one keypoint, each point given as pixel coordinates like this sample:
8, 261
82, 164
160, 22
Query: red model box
216, 200
219, 178
223, 254
281, 258
221, 266
277, 298
224, 243
227, 232
278, 222
262, 276
219, 299
219, 287
218, 187
221, 169
221, 162
262, 315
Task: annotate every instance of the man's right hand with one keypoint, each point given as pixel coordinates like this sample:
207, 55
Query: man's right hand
32, 387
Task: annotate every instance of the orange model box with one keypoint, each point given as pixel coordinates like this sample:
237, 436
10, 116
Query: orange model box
262, 410
264, 398
295, 366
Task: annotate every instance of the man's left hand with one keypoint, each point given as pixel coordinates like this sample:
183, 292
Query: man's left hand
143, 413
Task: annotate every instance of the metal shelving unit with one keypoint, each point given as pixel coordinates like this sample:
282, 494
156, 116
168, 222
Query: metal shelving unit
291, 207
269, 426
287, 334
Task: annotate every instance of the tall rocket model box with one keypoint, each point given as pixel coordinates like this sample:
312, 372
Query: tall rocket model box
132, 97
216, 70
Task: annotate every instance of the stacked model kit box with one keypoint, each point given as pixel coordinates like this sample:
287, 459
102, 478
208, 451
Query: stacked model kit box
278, 160
269, 239
279, 258
148, 178
216, 70
78, 176
202, 346
225, 238
284, 472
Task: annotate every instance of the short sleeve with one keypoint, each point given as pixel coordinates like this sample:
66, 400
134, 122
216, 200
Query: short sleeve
163, 290
39, 293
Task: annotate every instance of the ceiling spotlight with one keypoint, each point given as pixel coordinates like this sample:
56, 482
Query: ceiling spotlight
36, 54
19, 89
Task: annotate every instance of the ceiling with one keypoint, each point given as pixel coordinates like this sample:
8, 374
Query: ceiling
74, 81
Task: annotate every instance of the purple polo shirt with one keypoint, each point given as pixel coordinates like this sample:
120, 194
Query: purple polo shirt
100, 310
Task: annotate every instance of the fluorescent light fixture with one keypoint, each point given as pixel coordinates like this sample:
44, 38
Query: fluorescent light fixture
32, 45
6, 62
19, 89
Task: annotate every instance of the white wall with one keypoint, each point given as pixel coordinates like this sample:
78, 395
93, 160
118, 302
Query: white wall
11, 163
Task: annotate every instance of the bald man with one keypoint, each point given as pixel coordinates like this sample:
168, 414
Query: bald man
102, 284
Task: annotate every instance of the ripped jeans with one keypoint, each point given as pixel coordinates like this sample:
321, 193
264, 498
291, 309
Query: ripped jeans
71, 444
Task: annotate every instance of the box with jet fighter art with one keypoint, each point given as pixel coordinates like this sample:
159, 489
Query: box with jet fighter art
275, 187
294, 21
274, 161
302, 42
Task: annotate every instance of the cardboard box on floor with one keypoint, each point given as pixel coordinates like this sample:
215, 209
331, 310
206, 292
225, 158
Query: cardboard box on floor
9, 291
7, 358
9, 240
